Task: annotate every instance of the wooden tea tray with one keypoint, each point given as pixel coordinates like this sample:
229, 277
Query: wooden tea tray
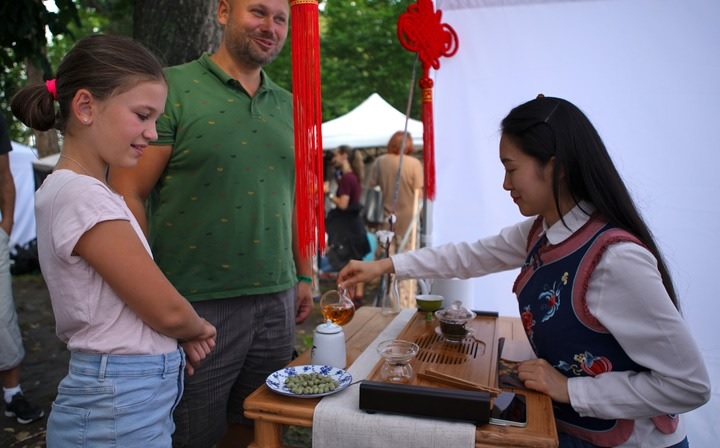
473, 359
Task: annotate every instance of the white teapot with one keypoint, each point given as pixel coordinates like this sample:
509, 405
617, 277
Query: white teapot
329, 346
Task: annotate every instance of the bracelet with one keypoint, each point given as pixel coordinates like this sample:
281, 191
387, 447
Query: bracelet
304, 279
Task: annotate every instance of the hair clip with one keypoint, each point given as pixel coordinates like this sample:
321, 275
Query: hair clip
552, 112
540, 95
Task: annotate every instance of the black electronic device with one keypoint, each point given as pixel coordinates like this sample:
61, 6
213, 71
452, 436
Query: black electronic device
509, 409
423, 401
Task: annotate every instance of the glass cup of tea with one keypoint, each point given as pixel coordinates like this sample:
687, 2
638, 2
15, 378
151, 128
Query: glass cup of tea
337, 307
397, 355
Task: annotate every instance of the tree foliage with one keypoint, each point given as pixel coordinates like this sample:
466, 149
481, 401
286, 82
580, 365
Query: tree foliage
23, 32
23, 41
361, 54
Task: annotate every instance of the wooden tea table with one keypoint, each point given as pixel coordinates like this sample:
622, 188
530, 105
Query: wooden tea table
271, 411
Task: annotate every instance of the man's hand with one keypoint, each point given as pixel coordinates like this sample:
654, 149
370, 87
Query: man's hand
304, 305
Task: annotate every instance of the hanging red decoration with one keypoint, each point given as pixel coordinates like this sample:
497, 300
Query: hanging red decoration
421, 30
307, 110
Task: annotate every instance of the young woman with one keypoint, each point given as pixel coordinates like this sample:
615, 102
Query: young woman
347, 237
118, 314
594, 292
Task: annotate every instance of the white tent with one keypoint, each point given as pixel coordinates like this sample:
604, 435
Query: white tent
646, 73
369, 125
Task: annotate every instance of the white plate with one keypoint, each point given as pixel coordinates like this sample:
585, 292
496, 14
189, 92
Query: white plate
276, 380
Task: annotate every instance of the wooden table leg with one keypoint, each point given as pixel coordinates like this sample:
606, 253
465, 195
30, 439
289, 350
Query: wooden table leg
267, 435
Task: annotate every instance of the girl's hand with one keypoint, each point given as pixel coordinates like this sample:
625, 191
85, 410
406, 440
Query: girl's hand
539, 375
195, 352
198, 349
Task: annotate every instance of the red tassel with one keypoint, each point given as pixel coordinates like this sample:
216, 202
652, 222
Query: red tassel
307, 103
428, 140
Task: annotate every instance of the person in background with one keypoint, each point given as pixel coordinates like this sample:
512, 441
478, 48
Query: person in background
595, 295
347, 237
13, 352
385, 172
219, 185
118, 314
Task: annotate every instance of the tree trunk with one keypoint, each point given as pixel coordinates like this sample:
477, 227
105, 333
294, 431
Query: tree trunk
177, 30
46, 142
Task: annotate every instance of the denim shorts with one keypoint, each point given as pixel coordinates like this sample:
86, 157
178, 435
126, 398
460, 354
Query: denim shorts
117, 401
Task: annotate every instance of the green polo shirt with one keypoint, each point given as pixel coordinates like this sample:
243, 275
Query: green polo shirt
220, 215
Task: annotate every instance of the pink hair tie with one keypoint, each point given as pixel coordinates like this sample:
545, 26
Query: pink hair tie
51, 87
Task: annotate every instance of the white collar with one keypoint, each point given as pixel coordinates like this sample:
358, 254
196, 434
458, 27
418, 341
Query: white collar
574, 219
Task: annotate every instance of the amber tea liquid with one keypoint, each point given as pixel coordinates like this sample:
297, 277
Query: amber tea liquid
338, 314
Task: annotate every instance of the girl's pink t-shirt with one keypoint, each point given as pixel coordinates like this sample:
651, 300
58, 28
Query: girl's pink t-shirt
89, 315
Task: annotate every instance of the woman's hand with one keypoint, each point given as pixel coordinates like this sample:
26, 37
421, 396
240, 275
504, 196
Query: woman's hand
363, 271
539, 375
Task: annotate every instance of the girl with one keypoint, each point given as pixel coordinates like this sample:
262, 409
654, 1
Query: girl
595, 295
118, 314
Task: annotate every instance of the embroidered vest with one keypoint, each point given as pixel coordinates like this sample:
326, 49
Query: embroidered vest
551, 290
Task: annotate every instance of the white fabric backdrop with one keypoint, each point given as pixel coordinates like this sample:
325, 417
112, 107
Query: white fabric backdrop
646, 73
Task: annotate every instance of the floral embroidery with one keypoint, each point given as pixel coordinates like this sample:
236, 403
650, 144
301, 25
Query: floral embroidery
528, 321
589, 364
551, 298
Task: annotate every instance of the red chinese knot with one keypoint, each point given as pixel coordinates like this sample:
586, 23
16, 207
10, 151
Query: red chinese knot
421, 30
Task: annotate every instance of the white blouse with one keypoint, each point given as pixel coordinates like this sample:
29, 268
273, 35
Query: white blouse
626, 295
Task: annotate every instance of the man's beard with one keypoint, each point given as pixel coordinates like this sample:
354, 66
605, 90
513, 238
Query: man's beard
241, 47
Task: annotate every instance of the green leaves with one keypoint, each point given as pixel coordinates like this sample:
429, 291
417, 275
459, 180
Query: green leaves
23, 36
359, 54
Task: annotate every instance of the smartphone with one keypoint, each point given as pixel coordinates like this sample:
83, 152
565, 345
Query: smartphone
509, 409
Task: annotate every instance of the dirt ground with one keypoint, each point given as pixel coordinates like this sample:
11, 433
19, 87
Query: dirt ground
46, 359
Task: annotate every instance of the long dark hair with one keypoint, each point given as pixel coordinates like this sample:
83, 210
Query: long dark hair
552, 127
355, 159
105, 65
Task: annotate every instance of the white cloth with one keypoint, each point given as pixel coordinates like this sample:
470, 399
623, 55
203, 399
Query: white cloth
89, 315
12, 351
626, 295
339, 422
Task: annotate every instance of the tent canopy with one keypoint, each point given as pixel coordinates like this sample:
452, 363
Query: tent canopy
369, 125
